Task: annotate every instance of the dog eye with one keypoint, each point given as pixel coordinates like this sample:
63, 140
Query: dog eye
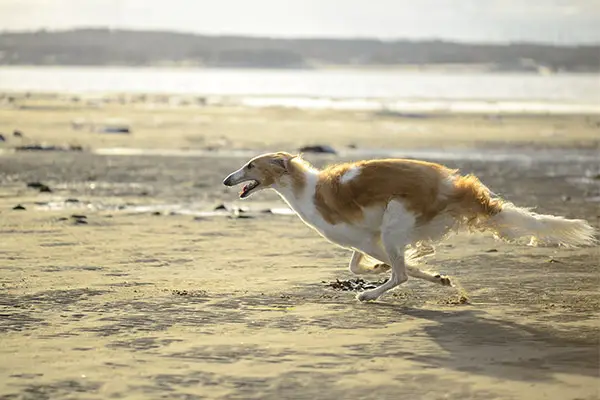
250, 166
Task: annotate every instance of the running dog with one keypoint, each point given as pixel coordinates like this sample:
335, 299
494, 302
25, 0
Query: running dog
392, 210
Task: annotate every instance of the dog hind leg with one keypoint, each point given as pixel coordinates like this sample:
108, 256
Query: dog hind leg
358, 266
434, 278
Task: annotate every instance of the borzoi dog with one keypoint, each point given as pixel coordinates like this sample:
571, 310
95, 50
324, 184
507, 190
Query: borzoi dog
393, 209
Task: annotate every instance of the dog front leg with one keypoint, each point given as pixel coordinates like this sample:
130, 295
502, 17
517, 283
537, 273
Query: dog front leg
395, 234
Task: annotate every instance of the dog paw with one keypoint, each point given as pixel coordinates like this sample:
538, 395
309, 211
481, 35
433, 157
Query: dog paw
366, 296
444, 280
381, 268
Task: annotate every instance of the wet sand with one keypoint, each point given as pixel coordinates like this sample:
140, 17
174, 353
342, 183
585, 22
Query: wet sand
144, 295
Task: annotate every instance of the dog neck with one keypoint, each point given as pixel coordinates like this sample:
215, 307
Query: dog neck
297, 187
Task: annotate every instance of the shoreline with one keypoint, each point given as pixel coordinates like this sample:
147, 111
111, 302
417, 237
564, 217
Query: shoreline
180, 124
391, 107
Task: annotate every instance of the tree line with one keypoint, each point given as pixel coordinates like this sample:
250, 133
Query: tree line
137, 48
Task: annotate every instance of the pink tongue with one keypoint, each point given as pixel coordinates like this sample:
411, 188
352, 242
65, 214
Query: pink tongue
245, 189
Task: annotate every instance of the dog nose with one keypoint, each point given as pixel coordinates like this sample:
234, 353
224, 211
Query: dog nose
227, 181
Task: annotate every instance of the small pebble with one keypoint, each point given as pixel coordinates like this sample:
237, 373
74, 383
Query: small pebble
19, 207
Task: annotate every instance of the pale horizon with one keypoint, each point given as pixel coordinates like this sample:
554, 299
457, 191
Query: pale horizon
546, 21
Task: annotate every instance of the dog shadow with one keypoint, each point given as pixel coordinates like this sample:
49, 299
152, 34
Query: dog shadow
475, 342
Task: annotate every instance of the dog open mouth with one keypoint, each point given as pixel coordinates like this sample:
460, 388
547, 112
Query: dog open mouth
248, 188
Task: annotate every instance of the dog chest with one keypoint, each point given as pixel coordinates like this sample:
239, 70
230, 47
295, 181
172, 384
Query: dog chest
343, 234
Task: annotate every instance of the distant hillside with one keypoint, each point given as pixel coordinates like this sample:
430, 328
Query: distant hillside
118, 47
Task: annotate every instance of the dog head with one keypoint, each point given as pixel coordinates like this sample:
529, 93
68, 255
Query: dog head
261, 172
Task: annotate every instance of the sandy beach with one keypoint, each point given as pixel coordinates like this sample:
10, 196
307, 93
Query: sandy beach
126, 279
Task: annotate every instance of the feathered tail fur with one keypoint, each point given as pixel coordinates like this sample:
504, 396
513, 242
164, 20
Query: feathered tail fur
484, 210
513, 223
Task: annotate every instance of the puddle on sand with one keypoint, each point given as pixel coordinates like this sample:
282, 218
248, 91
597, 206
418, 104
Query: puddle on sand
196, 210
230, 211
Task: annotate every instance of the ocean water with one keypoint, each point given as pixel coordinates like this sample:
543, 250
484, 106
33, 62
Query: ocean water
396, 90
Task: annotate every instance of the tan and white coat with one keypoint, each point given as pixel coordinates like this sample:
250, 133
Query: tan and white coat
377, 208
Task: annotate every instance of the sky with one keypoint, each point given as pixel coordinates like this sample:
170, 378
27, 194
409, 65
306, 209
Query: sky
550, 21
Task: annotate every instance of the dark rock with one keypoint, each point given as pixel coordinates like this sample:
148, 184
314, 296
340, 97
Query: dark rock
39, 186
492, 251
71, 201
156, 213
566, 198
39, 147
116, 129
81, 222
17, 133
35, 147
19, 207
242, 216
323, 149
63, 219
220, 207
2, 138
78, 216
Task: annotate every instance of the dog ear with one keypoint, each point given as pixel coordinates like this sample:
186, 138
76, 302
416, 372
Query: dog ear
283, 160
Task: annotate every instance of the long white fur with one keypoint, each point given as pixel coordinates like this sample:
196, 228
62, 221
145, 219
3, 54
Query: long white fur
514, 223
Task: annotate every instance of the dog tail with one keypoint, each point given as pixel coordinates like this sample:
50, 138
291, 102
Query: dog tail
514, 223
488, 212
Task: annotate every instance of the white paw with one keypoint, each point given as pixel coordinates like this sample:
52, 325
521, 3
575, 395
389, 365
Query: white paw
368, 295
444, 280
